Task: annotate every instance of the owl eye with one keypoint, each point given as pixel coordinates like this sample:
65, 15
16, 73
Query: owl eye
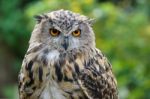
76, 33
54, 32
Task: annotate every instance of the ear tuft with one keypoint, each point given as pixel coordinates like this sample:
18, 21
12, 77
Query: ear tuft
38, 18
91, 21
45, 16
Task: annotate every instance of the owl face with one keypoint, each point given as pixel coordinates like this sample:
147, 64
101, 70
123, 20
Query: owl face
63, 30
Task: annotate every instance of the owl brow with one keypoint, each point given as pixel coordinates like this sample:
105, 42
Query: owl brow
53, 27
52, 22
77, 25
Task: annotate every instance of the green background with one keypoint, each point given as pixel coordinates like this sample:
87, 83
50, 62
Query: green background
122, 29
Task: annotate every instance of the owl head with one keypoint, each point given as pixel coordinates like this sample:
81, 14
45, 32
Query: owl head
63, 30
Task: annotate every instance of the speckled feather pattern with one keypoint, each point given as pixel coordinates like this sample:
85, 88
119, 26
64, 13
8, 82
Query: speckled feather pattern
50, 72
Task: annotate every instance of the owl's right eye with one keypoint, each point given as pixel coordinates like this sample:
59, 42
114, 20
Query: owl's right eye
54, 32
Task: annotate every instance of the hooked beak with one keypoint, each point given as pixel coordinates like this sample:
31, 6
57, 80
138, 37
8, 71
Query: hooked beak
65, 42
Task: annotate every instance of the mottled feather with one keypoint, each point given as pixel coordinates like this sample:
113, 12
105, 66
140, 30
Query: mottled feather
77, 70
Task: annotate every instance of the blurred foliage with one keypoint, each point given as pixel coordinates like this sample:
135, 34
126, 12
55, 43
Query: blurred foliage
122, 29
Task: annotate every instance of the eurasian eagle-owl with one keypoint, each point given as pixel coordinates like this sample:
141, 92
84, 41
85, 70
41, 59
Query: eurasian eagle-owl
62, 61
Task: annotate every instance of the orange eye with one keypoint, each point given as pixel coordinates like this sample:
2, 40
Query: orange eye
76, 33
54, 32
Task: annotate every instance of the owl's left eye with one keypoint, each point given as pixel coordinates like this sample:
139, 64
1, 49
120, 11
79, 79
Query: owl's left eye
54, 32
76, 33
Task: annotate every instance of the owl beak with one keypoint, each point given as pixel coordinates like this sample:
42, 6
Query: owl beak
65, 43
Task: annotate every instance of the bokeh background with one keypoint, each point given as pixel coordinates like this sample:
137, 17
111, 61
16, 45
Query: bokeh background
122, 29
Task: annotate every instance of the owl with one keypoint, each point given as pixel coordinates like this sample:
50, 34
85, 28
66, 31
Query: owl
62, 61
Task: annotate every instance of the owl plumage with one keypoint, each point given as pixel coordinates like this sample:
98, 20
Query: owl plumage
62, 61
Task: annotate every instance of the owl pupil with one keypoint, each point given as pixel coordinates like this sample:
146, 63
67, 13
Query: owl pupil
54, 31
76, 32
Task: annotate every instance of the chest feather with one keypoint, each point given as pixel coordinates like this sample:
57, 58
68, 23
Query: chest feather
52, 91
